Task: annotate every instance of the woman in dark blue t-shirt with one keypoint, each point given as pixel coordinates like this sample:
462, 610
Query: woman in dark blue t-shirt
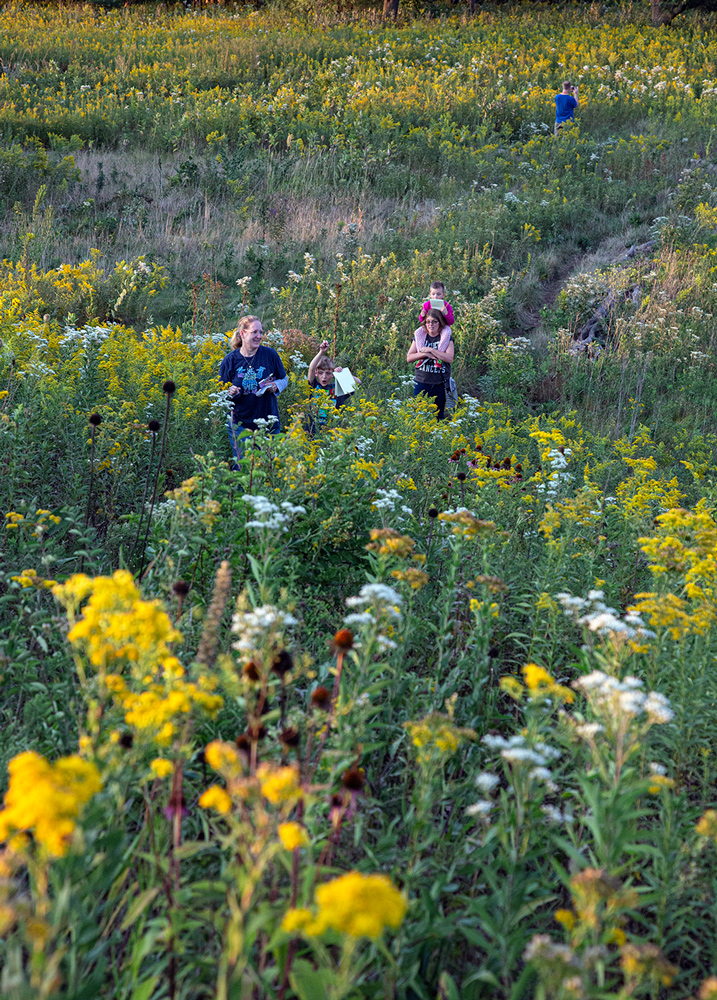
256, 376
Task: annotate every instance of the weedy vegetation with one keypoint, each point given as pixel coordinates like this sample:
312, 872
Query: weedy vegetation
405, 708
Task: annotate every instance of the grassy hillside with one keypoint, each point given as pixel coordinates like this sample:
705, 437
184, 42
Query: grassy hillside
473, 658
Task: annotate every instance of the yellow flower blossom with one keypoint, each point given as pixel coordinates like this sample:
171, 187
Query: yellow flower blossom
566, 918
354, 904
216, 798
292, 835
46, 799
116, 623
541, 684
280, 785
162, 767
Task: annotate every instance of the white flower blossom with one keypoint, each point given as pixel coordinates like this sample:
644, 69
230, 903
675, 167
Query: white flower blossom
481, 808
486, 781
251, 626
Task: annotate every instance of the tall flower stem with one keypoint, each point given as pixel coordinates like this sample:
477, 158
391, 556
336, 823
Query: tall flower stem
146, 488
95, 421
169, 389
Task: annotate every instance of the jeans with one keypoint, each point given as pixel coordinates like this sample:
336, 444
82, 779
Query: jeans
437, 391
240, 445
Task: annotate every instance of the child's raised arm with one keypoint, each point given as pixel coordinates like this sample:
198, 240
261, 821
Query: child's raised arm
323, 348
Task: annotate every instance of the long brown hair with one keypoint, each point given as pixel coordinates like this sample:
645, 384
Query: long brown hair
435, 314
244, 323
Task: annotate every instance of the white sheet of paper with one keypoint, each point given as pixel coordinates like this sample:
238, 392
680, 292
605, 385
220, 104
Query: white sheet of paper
344, 381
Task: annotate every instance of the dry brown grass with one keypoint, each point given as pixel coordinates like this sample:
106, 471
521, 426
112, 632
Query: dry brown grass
192, 232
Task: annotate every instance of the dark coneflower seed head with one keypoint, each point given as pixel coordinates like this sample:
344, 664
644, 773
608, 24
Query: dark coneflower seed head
561, 450
343, 640
506, 463
354, 779
433, 512
290, 736
169, 387
256, 732
461, 477
479, 447
243, 744
518, 467
321, 698
336, 801
462, 451
180, 588
95, 419
154, 426
251, 671
282, 663
126, 740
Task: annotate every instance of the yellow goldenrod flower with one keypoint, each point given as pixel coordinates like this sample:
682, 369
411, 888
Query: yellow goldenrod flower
566, 918
360, 905
162, 767
292, 835
46, 799
280, 785
216, 798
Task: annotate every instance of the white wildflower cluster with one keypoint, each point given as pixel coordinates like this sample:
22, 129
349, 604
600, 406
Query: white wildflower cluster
598, 617
244, 282
274, 338
558, 816
376, 604
518, 754
265, 422
486, 783
389, 500
583, 290
220, 406
251, 627
619, 701
293, 276
297, 362
269, 516
471, 406
516, 750
309, 262
364, 446
163, 511
557, 478
543, 948
85, 337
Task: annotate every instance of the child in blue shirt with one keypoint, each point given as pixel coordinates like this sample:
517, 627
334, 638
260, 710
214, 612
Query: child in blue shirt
565, 105
321, 376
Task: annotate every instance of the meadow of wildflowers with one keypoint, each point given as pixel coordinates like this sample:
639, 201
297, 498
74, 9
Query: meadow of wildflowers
398, 708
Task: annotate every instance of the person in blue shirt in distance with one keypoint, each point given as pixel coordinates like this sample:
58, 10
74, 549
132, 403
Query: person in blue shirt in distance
565, 105
256, 376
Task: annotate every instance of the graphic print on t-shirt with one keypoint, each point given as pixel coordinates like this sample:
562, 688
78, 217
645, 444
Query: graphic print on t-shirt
430, 365
250, 377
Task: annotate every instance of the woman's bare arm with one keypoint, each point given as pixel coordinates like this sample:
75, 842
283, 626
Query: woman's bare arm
414, 354
446, 356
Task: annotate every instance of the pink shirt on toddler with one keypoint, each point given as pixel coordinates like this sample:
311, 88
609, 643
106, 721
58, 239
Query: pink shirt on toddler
448, 313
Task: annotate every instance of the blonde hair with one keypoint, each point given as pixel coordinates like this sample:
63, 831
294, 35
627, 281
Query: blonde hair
244, 323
